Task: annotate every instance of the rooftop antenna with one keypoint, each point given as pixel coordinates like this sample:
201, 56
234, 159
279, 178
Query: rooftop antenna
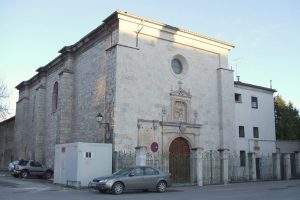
271, 84
236, 62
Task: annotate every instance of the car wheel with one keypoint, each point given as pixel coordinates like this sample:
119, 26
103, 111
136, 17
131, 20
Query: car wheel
161, 186
24, 174
16, 175
48, 175
117, 188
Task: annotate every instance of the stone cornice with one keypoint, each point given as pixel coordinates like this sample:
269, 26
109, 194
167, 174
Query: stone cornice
174, 124
23, 84
121, 45
7, 121
225, 69
23, 98
172, 29
65, 71
178, 124
243, 85
41, 73
181, 93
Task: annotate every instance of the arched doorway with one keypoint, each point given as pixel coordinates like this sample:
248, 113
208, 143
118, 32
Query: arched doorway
179, 160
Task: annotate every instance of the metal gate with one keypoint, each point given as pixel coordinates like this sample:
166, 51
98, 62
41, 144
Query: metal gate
123, 159
293, 166
266, 168
211, 167
236, 172
282, 167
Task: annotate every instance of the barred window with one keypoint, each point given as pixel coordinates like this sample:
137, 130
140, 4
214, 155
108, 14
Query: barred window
242, 158
254, 102
255, 132
241, 131
55, 97
238, 98
88, 154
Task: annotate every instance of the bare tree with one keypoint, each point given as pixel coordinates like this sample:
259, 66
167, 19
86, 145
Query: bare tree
3, 97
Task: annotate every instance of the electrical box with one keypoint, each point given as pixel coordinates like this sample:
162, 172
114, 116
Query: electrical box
76, 164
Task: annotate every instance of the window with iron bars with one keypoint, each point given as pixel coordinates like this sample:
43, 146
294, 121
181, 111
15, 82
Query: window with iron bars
241, 131
255, 132
254, 102
242, 158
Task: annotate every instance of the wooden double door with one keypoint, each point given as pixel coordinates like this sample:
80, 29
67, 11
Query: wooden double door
179, 161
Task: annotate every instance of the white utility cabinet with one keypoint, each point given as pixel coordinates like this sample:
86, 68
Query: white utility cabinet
76, 164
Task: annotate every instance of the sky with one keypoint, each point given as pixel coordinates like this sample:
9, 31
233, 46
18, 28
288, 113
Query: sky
265, 33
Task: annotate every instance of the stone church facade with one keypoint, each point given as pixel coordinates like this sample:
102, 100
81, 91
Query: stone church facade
157, 87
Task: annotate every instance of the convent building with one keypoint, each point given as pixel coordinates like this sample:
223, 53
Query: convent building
167, 90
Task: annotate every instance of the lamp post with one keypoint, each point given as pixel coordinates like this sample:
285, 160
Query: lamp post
107, 135
109, 132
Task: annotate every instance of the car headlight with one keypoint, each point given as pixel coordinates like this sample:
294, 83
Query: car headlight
103, 181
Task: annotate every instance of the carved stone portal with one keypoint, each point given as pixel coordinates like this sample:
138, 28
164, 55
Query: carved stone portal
180, 105
180, 111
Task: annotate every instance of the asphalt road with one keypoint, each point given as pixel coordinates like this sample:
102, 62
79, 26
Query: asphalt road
34, 189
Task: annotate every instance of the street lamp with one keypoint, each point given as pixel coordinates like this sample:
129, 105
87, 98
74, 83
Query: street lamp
108, 137
99, 119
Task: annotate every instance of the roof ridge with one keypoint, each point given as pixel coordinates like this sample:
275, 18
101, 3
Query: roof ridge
254, 86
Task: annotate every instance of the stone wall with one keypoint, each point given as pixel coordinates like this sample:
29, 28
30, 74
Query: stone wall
25, 121
145, 79
7, 144
288, 146
86, 87
94, 91
51, 118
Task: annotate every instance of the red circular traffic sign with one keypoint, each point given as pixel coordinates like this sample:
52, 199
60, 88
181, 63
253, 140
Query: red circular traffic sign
154, 147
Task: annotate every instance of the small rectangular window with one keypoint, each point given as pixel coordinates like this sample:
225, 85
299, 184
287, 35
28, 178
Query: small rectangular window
241, 131
238, 98
88, 154
254, 102
242, 158
255, 132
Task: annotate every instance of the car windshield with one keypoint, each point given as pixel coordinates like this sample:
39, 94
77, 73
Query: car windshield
122, 172
23, 162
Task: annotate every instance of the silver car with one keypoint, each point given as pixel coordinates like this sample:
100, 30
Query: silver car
11, 168
26, 168
135, 178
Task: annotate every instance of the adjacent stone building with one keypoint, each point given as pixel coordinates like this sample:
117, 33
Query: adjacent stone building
7, 144
159, 88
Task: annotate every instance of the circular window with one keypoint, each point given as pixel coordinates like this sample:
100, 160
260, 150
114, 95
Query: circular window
177, 66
